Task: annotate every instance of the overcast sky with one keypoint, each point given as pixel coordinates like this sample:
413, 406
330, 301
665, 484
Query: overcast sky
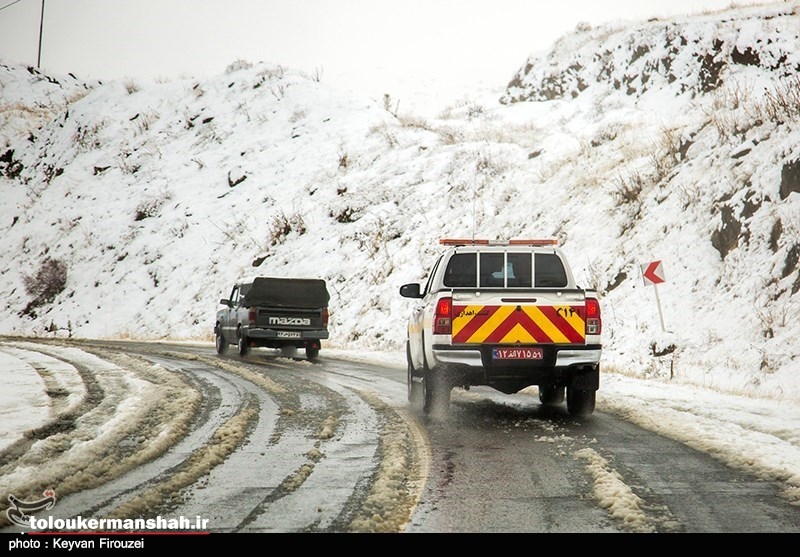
373, 46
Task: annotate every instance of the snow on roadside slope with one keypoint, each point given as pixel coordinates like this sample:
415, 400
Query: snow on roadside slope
159, 195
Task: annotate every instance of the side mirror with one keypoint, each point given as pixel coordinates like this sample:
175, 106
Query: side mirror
410, 290
225, 302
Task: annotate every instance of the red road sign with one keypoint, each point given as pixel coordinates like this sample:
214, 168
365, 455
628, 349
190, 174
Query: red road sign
653, 273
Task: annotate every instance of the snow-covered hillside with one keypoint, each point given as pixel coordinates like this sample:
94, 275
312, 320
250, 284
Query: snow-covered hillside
675, 140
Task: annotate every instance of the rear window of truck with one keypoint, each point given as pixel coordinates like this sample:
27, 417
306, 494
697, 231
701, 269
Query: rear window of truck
505, 270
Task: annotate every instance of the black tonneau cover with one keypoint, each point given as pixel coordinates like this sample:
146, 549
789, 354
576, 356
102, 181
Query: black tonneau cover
287, 292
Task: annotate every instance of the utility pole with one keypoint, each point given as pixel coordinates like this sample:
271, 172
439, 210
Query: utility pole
41, 26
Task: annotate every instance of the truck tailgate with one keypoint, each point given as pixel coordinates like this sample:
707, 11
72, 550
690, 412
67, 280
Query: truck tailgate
540, 318
289, 318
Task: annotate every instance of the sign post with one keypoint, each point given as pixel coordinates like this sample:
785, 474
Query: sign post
653, 273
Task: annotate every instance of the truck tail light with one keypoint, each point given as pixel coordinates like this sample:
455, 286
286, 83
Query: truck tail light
442, 321
251, 315
325, 317
593, 320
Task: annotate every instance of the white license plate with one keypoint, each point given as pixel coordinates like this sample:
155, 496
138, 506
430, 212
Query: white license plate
517, 353
288, 334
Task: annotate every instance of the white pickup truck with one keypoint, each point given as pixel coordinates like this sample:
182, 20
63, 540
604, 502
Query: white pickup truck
504, 314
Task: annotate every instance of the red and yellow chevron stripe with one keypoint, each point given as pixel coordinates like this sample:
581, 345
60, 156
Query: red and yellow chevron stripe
511, 324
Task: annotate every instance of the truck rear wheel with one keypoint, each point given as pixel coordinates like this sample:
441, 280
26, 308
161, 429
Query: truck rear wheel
551, 394
243, 347
219, 342
312, 352
580, 402
435, 392
414, 387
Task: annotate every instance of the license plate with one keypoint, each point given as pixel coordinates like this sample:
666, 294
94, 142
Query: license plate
288, 334
517, 353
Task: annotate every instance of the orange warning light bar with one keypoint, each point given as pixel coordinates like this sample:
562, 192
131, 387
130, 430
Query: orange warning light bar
482, 242
460, 242
535, 242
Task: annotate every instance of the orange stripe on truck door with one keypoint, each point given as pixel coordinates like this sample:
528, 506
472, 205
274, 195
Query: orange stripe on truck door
508, 325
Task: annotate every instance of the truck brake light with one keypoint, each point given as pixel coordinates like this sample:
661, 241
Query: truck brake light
593, 320
251, 315
442, 321
325, 317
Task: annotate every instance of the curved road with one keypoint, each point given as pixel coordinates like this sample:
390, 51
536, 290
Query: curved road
272, 444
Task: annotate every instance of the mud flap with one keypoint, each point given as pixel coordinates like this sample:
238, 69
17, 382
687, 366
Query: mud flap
586, 379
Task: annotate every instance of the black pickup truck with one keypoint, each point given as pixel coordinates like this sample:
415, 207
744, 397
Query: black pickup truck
271, 312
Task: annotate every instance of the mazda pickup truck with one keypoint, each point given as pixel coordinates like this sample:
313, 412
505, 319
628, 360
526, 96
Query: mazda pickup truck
504, 314
272, 312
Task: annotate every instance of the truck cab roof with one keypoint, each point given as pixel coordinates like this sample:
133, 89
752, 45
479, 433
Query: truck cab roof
504, 264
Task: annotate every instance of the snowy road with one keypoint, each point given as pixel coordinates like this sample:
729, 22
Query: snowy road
272, 444
249, 446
